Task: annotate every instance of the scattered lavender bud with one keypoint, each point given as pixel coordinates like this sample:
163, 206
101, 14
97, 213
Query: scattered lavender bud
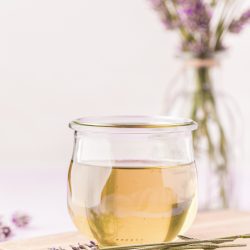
5, 233
75, 248
90, 246
21, 219
92, 243
79, 247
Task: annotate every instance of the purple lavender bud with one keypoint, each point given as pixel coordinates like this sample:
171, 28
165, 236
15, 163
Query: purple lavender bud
197, 47
168, 21
5, 233
195, 15
75, 248
237, 25
170, 24
21, 219
90, 246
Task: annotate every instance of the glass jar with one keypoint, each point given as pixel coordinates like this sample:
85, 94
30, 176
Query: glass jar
199, 91
132, 179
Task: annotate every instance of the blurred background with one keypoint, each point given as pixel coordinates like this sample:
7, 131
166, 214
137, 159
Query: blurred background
61, 60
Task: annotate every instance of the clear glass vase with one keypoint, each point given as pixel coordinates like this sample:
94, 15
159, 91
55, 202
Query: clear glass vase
197, 92
132, 180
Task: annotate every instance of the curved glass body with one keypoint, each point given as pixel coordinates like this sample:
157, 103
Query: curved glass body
132, 180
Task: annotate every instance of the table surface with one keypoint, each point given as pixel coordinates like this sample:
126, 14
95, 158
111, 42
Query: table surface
207, 225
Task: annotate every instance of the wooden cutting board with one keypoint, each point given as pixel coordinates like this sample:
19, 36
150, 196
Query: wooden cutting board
207, 225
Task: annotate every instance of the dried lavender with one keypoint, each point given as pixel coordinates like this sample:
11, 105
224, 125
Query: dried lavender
193, 20
186, 243
20, 219
5, 233
89, 246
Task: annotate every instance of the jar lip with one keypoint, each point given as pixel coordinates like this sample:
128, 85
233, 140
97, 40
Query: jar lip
133, 122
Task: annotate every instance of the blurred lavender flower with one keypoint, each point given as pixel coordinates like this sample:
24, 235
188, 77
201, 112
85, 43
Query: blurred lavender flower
237, 25
169, 21
21, 219
5, 233
198, 48
192, 20
195, 15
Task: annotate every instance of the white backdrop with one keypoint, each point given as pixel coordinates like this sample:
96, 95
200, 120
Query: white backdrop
62, 59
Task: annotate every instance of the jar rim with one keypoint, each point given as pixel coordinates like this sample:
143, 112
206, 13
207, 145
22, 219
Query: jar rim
133, 122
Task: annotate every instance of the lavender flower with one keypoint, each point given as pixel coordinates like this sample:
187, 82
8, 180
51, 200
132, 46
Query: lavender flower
21, 219
5, 233
169, 21
237, 25
192, 20
199, 48
90, 246
195, 15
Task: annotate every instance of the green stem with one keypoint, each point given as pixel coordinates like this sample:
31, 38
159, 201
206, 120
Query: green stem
188, 243
204, 111
187, 36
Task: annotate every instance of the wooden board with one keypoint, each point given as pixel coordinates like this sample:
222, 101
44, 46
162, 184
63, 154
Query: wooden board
207, 225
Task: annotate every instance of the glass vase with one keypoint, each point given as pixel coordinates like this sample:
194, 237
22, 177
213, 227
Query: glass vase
197, 92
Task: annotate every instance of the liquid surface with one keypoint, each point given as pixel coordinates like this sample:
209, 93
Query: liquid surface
132, 202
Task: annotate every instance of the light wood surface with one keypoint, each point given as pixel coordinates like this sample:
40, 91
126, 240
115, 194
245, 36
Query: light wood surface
207, 225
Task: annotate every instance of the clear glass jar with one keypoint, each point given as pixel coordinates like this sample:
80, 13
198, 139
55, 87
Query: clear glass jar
199, 91
132, 179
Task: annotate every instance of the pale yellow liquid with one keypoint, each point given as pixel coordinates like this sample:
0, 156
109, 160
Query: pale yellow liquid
132, 202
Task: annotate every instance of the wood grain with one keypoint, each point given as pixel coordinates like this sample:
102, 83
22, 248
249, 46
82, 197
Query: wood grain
207, 225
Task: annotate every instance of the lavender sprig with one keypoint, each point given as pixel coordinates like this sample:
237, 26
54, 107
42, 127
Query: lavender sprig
169, 21
186, 243
237, 25
90, 246
195, 15
192, 19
